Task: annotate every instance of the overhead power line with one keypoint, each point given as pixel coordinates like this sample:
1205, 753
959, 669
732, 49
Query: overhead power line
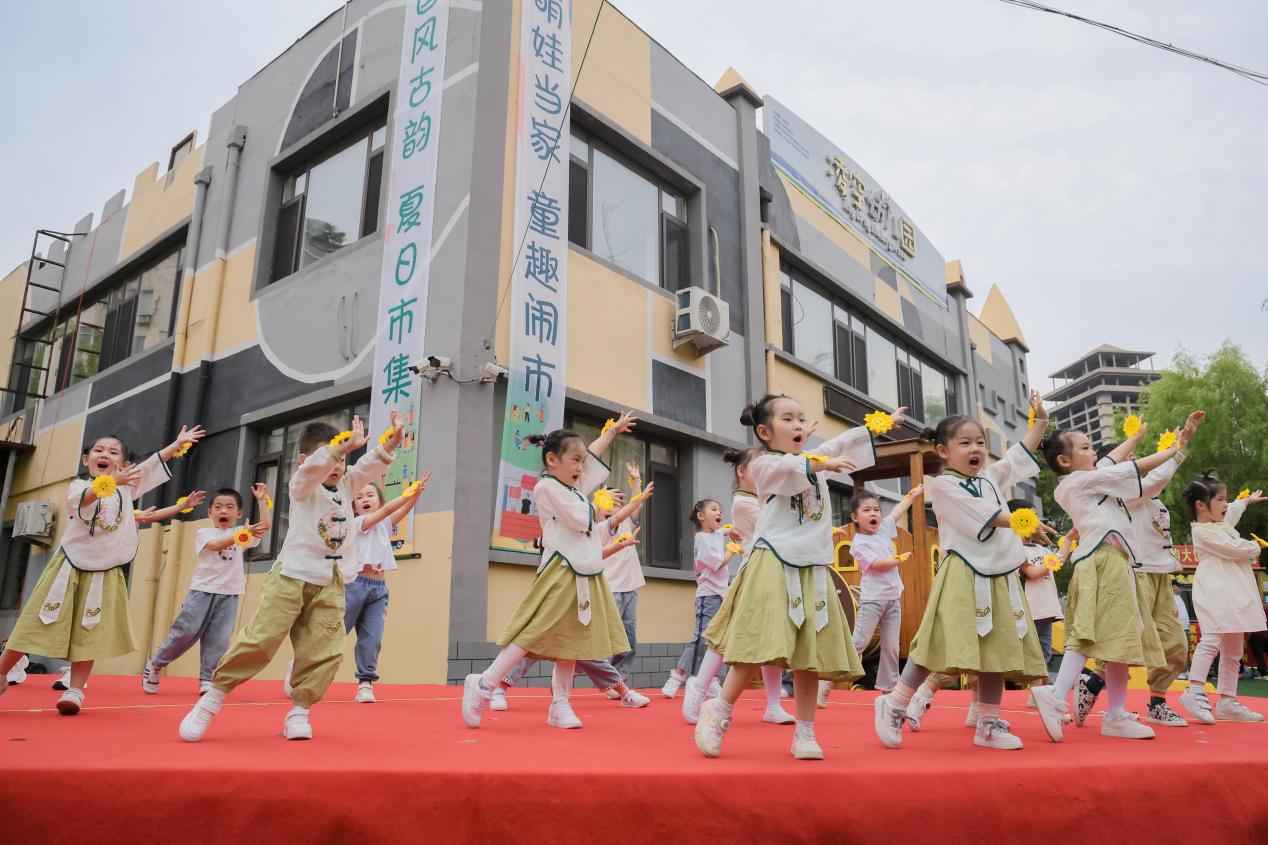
1246, 73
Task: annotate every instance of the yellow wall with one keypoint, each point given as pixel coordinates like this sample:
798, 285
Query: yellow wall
11, 287
618, 70
771, 291
981, 336
238, 324
607, 333
159, 202
810, 211
782, 377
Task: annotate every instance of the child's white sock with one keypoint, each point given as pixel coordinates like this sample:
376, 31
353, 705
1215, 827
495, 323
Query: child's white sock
561, 679
772, 680
987, 711
724, 708
901, 696
1116, 687
710, 665
805, 729
1068, 675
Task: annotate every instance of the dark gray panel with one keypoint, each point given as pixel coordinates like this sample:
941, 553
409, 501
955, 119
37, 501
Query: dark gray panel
678, 395
245, 382
132, 373
779, 213
316, 103
884, 271
911, 318
138, 420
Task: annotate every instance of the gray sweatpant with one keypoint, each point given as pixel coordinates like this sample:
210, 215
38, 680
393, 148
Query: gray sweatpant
889, 616
208, 617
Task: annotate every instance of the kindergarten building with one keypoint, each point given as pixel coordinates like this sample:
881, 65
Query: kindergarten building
718, 248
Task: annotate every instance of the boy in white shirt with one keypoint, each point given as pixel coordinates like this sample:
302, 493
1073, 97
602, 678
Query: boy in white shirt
211, 606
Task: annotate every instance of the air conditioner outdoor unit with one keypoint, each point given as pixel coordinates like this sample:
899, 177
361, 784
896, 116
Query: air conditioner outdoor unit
34, 522
703, 319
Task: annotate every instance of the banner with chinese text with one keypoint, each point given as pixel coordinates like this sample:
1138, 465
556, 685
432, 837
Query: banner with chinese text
539, 279
407, 233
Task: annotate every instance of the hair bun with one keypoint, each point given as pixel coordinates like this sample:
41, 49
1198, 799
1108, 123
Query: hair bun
746, 416
732, 456
927, 434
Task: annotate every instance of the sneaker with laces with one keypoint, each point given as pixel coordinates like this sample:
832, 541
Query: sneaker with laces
70, 702
993, 732
919, 705
711, 728
1161, 714
693, 696
777, 715
562, 716
1084, 701
1125, 726
633, 699
971, 717
805, 746
821, 700
1195, 701
286, 682
1229, 709
1052, 711
150, 678
475, 698
498, 701
296, 725
18, 673
365, 693
889, 722
204, 687
194, 725
672, 683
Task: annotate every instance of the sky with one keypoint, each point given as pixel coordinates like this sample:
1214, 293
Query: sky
1113, 191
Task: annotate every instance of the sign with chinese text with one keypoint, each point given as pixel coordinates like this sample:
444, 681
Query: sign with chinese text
407, 232
539, 279
843, 189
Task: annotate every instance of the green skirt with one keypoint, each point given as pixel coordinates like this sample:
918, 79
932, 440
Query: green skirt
753, 627
546, 623
947, 640
65, 638
1103, 616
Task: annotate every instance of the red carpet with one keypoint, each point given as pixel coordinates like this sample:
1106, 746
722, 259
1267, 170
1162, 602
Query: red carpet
405, 769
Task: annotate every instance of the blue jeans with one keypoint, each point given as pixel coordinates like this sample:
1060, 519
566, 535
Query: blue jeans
208, 617
1043, 627
365, 608
627, 603
706, 607
600, 672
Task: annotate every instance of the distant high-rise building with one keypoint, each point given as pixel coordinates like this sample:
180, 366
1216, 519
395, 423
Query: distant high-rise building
1088, 391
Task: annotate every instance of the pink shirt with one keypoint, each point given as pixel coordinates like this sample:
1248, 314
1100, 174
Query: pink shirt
710, 553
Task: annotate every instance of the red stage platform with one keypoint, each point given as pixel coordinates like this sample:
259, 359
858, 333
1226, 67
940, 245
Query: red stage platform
406, 769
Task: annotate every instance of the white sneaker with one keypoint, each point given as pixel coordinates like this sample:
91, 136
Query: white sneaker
670, 689
286, 682
63, 683
805, 746
296, 725
994, 733
1161, 714
498, 701
70, 702
204, 687
889, 722
971, 718
612, 694
921, 701
783, 693
821, 700
1125, 725
715, 687
634, 699
194, 725
1229, 709
150, 678
18, 673
1195, 701
561, 715
711, 728
1030, 699
365, 693
692, 698
777, 715
1052, 711
475, 697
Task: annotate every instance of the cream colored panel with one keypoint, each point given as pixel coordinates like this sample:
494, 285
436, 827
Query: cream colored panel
159, 202
887, 300
618, 72
810, 211
981, 337
607, 333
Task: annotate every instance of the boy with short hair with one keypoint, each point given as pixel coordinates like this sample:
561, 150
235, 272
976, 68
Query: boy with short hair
211, 607
303, 595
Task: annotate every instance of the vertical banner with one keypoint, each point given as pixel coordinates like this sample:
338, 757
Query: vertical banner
407, 233
539, 279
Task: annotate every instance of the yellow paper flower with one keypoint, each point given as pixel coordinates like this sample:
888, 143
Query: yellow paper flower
413, 488
386, 435
1263, 544
734, 548
181, 501
727, 527
1052, 562
243, 537
623, 538
629, 482
903, 556
136, 514
104, 486
183, 450
607, 425
340, 438
1166, 441
811, 457
268, 501
1023, 521
878, 422
1245, 494
1030, 420
1131, 425
603, 500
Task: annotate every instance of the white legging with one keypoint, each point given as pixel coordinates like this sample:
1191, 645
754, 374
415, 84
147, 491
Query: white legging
1229, 648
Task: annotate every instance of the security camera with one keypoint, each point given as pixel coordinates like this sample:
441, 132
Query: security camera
431, 367
492, 372
440, 362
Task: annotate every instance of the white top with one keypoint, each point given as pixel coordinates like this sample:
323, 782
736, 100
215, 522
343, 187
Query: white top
569, 532
709, 552
866, 549
1183, 613
87, 543
1095, 501
1151, 521
319, 518
374, 546
744, 513
967, 505
1041, 593
220, 572
1225, 591
796, 516
624, 570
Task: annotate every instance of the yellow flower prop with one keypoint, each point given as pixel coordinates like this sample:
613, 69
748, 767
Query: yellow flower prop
181, 501
268, 501
623, 538
1263, 544
728, 527
1023, 521
607, 425
1052, 563
811, 457
104, 486
242, 537
1167, 440
1245, 494
603, 500
878, 422
340, 438
1030, 420
183, 450
629, 482
903, 556
413, 488
1131, 425
386, 435
136, 514
734, 548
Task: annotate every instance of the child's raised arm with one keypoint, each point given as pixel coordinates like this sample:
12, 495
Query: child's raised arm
621, 543
397, 508
1124, 451
374, 463
901, 508
1032, 437
188, 436
633, 506
605, 438
261, 493
151, 515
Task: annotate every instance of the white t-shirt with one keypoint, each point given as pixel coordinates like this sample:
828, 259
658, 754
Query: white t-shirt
711, 574
220, 572
374, 547
1041, 593
623, 571
877, 584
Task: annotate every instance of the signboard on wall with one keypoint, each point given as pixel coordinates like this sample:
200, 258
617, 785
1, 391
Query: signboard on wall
844, 190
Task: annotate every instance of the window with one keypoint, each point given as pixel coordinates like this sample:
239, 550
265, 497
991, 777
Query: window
13, 571
911, 390
812, 328
277, 457
621, 215
882, 373
851, 346
329, 203
662, 520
